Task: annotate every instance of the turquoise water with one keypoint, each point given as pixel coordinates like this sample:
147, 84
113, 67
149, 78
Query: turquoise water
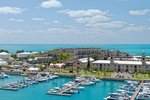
37, 91
130, 48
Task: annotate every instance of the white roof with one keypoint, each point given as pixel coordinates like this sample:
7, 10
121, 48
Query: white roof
33, 69
4, 53
25, 53
120, 62
3, 63
57, 64
84, 60
134, 58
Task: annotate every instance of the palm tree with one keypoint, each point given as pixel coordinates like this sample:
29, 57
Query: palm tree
88, 63
77, 70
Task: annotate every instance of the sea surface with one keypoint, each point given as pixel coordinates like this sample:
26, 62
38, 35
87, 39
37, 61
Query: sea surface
130, 48
38, 91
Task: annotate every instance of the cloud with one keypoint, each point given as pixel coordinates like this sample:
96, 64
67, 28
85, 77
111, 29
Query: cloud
107, 25
11, 10
88, 16
38, 19
139, 12
51, 4
56, 22
57, 30
135, 28
16, 20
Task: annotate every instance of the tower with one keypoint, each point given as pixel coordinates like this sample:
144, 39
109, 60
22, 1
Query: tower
111, 60
143, 58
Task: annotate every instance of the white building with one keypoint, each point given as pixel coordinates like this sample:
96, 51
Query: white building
25, 54
82, 62
57, 65
3, 63
122, 66
33, 69
5, 55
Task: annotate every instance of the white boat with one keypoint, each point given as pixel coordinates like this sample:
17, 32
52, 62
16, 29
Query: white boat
88, 83
80, 87
3, 75
117, 96
143, 97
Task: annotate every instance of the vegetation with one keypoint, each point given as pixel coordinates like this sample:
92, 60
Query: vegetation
34, 55
62, 57
2, 50
142, 75
20, 51
14, 55
41, 67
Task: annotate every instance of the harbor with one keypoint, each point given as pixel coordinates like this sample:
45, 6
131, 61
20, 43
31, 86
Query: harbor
133, 90
95, 92
73, 86
29, 80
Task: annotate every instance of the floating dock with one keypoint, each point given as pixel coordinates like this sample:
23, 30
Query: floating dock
137, 91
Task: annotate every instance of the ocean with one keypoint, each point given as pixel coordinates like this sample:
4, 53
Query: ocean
130, 48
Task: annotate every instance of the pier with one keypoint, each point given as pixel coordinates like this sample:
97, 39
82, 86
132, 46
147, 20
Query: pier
137, 91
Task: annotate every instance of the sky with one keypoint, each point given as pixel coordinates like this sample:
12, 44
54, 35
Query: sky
75, 22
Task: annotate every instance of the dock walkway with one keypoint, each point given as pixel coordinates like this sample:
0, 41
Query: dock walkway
137, 91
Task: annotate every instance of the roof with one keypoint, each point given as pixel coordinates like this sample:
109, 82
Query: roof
84, 60
4, 53
120, 62
33, 69
25, 53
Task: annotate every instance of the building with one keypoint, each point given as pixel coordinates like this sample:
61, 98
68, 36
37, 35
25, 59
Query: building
5, 55
25, 54
3, 63
122, 66
83, 51
57, 65
80, 62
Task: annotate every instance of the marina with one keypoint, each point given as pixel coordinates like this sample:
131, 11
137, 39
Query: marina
96, 92
32, 79
133, 90
73, 86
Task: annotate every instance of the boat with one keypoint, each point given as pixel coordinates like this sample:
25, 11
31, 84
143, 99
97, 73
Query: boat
143, 97
88, 83
3, 75
80, 87
117, 96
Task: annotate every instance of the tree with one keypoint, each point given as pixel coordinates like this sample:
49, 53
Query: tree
19, 51
88, 63
14, 55
78, 70
41, 67
2, 50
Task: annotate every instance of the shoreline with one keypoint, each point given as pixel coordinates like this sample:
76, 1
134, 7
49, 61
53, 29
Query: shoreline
74, 75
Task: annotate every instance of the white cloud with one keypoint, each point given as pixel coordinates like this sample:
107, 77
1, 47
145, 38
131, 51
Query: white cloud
135, 28
38, 19
11, 10
51, 4
16, 20
139, 12
88, 16
56, 22
107, 25
59, 30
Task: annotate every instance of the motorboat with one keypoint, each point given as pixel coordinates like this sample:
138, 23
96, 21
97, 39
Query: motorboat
3, 75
